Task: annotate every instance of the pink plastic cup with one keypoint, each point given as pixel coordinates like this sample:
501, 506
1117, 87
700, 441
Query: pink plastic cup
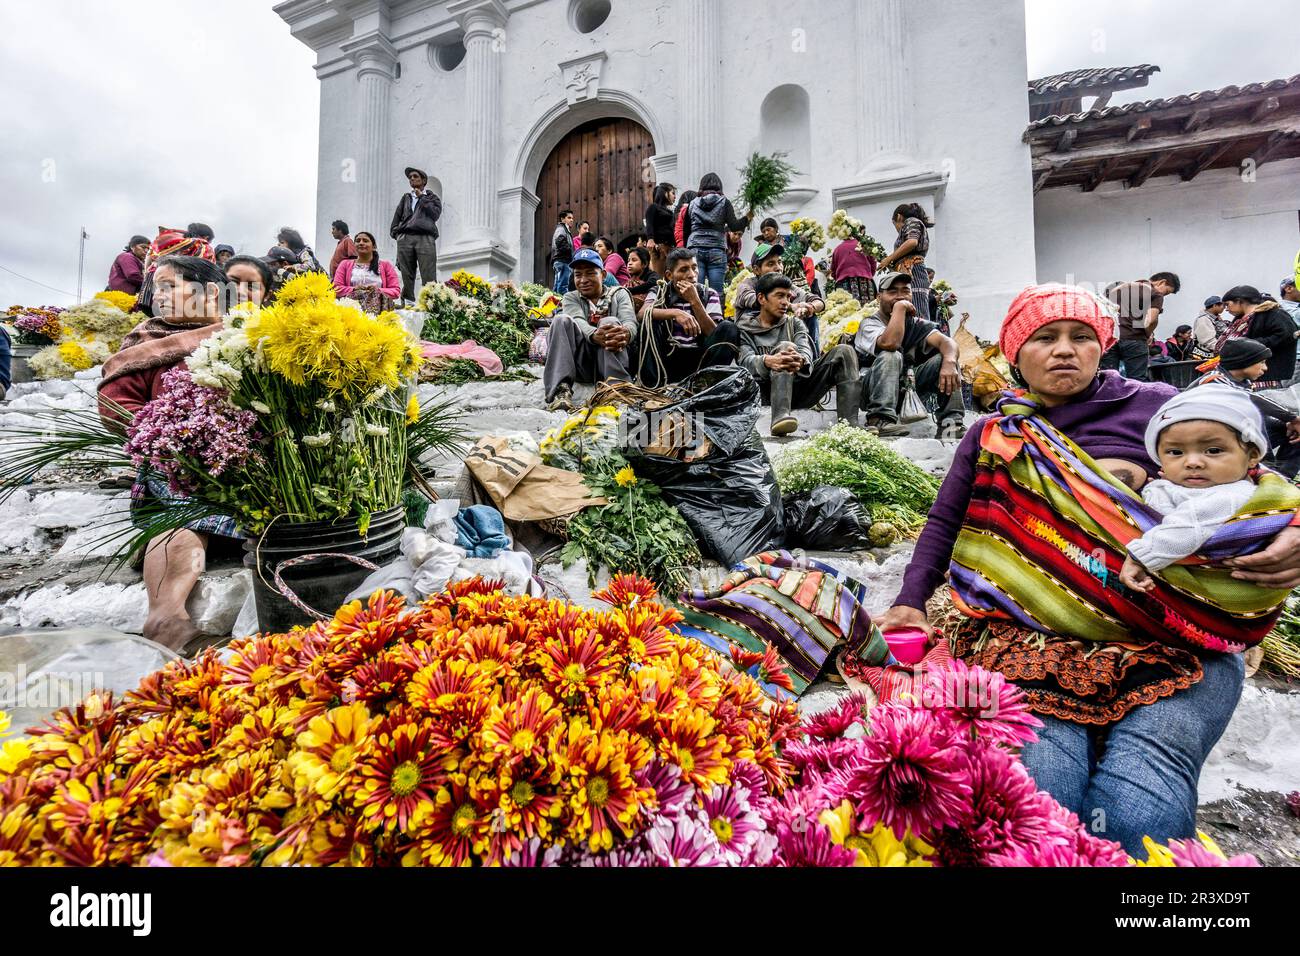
907, 644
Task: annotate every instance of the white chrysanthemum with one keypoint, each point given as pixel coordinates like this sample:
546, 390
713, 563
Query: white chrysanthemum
376, 431
317, 441
260, 407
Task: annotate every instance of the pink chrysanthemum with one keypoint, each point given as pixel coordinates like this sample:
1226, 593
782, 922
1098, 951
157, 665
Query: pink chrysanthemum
982, 703
1194, 853
1007, 811
913, 775
809, 845
1067, 844
838, 720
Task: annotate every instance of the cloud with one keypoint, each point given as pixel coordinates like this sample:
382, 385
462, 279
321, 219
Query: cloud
122, 118
1198, 44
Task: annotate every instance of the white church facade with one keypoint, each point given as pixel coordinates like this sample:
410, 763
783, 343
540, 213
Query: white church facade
520, 108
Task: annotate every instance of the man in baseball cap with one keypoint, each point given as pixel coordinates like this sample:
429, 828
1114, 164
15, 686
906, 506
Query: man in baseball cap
1208, 326
590, 339
1289, 298
768, 258
893, 339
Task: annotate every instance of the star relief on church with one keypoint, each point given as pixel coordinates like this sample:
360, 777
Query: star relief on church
581, 77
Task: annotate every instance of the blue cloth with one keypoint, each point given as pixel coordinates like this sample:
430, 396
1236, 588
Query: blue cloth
1140, 780
6, 361
481, 531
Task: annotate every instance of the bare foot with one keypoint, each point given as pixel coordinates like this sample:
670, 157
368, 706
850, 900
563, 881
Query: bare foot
172, 632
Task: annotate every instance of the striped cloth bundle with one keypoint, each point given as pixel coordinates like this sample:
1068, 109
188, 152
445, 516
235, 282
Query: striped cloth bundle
1045, 537
803, 608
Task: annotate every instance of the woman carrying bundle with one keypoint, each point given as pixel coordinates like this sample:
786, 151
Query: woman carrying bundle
910, 249
1032, 526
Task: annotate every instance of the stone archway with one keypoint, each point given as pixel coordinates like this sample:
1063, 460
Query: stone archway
602, 171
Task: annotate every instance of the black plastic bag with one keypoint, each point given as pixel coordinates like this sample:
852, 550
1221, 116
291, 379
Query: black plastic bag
826, 519
729, 497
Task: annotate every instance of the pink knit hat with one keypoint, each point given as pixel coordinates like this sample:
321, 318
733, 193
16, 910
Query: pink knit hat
1040, 305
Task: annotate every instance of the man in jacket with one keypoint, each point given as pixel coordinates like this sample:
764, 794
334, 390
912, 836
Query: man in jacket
591, 335
1208, 326
776, 349
562, 253
415, 227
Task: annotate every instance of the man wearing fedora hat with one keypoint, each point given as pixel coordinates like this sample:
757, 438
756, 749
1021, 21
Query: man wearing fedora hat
415, 227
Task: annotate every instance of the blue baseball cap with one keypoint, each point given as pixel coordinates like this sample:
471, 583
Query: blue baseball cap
588, 255
1212, 301
1286, 283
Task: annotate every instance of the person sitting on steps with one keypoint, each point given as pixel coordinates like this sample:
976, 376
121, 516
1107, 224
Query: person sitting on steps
591, 335
891, 340
776, 349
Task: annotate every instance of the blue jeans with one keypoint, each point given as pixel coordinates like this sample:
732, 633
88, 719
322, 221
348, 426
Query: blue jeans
1143, 783
563, 276
713, 269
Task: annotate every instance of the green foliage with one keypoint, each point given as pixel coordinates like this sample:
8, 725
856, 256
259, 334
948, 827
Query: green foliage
500, 325
764, 180
636, 533
894, 489
452, 372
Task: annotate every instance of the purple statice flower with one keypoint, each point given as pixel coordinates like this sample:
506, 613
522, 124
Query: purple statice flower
672, 793
191, 426
682, 839
735, 823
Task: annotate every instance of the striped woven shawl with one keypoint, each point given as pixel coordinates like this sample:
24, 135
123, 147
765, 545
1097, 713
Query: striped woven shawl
803, 608
1045, 537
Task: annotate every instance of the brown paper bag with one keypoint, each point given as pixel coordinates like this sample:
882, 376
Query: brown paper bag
522, 488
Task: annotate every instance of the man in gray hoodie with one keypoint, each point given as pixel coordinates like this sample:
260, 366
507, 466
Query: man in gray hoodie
777, 350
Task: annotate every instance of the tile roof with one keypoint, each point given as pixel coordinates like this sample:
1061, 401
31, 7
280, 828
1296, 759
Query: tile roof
1078, 82
1186, 99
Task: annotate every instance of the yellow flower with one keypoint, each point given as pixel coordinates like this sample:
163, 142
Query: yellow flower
879, 847
626, 477
75, 355
120, 300
1157, 855
306, 288
413, 409
4, 724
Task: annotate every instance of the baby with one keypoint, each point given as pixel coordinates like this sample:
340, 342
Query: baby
1206, 441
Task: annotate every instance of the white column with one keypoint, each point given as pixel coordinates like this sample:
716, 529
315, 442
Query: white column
699, 94
886, 130
375, 59
483, 22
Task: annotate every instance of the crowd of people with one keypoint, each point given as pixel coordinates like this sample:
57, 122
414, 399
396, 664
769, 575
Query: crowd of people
654, 314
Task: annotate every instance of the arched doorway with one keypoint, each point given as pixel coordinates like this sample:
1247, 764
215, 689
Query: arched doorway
602, 172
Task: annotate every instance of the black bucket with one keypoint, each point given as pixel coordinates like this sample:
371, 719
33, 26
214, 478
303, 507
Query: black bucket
322, 583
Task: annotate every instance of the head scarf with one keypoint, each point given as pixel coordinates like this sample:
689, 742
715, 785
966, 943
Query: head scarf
1040, 305
174, 242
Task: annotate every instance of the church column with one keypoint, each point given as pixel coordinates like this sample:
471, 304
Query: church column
886, 126
375, 61
699, 95
482, 21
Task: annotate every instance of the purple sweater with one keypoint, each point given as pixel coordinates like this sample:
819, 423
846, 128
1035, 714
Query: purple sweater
1109, 420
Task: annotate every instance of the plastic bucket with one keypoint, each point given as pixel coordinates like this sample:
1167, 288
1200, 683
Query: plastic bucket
322, 583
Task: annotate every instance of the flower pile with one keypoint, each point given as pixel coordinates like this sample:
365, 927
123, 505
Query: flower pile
810, 233
474, 729
36, 325
467, 308
482, 729
843, 226
124, 301
67, 358
729, 310
891, 487
842, 317
100, 320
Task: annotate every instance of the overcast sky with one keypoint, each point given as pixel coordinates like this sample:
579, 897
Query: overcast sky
124, 116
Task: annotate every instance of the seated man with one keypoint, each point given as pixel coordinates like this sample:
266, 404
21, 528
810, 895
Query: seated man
591, 333
892, 340
776, 349
683, 329
767, 260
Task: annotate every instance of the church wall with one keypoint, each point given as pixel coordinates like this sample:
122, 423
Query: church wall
1215, 232
968, 78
